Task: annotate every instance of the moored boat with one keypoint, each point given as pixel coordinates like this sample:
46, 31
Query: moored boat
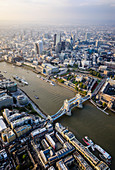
89, 140
16, 77
20, 80
85, 141
24, 82
108, 161
91, 143
103, 152
52, 83
38, 76
36, 97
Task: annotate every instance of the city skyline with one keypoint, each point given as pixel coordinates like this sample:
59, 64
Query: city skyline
56, 77
62, 12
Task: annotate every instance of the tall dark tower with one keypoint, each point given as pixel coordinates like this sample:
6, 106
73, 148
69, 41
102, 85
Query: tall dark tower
60, 37
37, 48
55, 35
63, 45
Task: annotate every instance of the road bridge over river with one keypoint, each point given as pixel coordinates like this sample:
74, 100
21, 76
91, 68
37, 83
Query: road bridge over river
69, 105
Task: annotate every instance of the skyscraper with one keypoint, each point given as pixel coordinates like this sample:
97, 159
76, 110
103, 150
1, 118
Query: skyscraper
58, 38
87, 36
63, 45
97, 43
71, 41
55, 35
39, 47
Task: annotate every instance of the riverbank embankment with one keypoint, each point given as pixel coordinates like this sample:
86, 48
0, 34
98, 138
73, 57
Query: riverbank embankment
35, 106
103, 110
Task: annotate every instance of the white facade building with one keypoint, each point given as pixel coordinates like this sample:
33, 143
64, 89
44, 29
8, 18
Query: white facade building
2, 124
48, 68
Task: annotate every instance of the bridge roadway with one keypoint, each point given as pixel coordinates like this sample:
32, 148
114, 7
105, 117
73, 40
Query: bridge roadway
72, 103
75, 102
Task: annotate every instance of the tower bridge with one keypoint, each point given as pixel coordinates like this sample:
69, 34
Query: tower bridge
69, 105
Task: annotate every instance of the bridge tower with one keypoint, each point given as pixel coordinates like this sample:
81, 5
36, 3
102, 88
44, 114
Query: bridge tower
80, 103
49, 119
78, 96
89, 93
67, 108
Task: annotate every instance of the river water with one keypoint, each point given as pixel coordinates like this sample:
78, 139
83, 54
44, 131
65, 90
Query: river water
87, 121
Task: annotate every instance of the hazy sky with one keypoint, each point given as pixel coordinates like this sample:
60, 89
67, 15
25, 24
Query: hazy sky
57, 11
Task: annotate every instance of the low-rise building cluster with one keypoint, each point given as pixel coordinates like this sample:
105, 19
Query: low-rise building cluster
45, 145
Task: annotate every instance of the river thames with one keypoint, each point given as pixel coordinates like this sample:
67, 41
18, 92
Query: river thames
87, 121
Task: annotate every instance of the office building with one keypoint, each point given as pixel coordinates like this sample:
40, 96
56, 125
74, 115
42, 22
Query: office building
51, 168
2, 124
14, 117
58, 47
8, 135
38, 132
22, 100
48, 68
22, 130
6, 100
39, 47
21, 121
50, 140
81, 161
58, 38
63, 45
12, 87
60, 165
3, 155
87, 36
55, 35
